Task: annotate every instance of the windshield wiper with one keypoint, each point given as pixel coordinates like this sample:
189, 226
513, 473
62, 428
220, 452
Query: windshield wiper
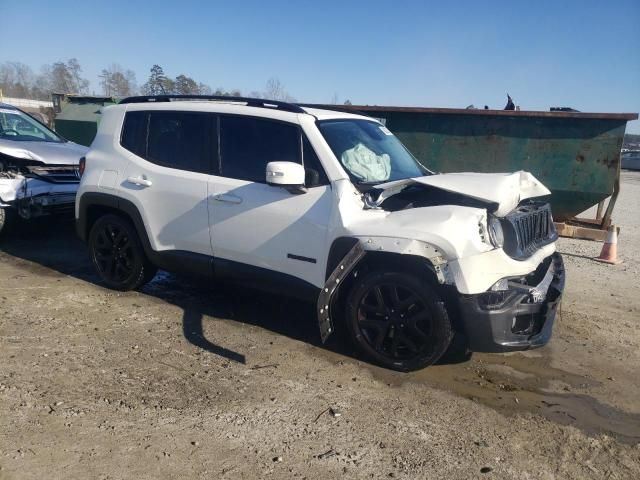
370, 182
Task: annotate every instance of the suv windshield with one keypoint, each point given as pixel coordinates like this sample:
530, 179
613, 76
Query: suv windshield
18, 126
369, 152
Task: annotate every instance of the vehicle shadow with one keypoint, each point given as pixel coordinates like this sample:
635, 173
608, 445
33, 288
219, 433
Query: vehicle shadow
52, 243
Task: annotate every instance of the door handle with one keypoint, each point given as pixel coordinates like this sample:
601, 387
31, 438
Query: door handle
227, 198
143, 182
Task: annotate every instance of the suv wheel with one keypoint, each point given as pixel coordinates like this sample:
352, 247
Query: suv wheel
117, 254
7, 218
398, 320
3, 219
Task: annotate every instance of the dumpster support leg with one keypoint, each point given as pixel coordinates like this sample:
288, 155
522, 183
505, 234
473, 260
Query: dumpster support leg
606, 220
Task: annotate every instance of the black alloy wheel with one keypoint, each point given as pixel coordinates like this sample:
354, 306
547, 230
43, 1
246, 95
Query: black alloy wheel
117, 254
398, 320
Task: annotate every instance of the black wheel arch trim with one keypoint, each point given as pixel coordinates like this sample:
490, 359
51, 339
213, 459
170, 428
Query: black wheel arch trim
87, 200
339, 249
342, 269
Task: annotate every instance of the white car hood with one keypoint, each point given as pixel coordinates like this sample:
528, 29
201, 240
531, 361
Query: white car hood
50, 153
506, 190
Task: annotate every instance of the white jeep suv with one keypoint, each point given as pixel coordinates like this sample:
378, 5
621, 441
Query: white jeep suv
326, 206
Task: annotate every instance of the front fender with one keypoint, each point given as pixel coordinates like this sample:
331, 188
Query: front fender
405, 246
360, 247
455, 231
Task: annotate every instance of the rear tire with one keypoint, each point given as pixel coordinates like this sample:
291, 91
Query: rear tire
397, 320
117, 254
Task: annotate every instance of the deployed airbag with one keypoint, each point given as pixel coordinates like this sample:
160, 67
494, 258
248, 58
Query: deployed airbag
366, 165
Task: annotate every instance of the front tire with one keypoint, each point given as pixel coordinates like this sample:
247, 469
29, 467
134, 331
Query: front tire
5, 220
117, 254
398, 320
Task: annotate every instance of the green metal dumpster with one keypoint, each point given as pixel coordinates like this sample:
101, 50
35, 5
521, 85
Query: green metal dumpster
77, 116
576, 155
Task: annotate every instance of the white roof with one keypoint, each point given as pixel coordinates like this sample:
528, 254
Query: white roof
220, 106
322, 114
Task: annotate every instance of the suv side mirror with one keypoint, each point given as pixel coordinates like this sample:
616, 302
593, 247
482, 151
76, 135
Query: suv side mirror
286, 174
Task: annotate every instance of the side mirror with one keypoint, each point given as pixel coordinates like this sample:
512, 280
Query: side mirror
286, 174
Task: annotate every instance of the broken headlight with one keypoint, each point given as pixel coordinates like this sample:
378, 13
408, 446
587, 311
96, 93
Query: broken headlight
500, 285
496, 235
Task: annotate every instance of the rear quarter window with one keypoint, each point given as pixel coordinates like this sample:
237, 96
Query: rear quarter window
172, 139
134, 133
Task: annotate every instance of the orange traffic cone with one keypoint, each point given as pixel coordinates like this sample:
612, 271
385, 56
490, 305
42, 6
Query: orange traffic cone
609, 253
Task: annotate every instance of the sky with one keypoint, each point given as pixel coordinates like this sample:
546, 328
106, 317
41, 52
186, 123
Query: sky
581, 54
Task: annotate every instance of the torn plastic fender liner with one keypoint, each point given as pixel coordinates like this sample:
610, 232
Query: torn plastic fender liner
352, 258
343, 269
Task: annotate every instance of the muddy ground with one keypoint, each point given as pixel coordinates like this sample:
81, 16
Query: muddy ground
189, 380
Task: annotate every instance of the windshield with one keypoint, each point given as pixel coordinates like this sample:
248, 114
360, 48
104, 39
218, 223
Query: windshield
16, 125
369, 151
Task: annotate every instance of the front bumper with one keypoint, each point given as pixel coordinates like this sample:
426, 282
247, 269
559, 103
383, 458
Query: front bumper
33, 197
48, 204
515, 319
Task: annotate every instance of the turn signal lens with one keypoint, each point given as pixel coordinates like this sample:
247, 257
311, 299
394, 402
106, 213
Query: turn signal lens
81, 166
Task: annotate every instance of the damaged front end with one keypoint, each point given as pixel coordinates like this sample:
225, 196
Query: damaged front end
518, 314
33, 188
487, 240
501, 193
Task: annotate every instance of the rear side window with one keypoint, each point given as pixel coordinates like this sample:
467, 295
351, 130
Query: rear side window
170, 139
247, 144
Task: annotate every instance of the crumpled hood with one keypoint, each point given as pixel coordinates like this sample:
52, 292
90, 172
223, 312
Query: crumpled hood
506, 190
50, 153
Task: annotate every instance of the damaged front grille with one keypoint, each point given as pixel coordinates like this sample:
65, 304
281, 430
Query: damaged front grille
56, 174
528, 228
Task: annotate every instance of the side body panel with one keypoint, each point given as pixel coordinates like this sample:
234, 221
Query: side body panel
172, 203
101, 159
269, 227
173, 206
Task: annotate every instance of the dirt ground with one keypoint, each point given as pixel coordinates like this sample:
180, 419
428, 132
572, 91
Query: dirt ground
188, 380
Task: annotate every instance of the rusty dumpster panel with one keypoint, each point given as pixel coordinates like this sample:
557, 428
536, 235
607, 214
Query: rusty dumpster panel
576, 155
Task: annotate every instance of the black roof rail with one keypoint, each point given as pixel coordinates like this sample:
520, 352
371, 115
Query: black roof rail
250, 102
